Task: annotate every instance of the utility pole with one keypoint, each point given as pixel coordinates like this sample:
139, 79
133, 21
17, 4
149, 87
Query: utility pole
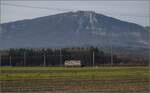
111, 56
0, 59
60, 55
44, 60
24, 57
10, 61
111, 50
93, 59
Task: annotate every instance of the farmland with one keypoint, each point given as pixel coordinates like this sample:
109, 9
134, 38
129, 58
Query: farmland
75, 80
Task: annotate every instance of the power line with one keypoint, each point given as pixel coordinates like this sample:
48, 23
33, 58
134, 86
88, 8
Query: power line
27, 6
58, 9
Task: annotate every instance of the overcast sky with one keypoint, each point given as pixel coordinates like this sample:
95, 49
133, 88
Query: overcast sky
131, 11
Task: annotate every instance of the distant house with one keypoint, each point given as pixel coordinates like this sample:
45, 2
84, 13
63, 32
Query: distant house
73, 63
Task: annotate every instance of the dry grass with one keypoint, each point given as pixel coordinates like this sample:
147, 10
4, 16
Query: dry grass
75, 80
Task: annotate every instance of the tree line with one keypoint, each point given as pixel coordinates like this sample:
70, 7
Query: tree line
57, 57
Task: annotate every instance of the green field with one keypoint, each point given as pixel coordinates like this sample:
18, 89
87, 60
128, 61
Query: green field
75, 80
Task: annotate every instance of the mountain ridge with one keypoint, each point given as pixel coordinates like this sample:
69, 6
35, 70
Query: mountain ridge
72, 29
